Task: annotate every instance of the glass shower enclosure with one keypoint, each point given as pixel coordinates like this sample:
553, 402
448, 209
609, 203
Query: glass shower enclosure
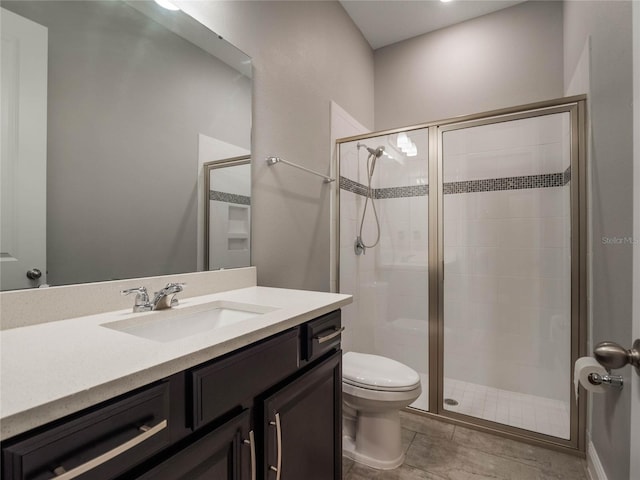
477, 280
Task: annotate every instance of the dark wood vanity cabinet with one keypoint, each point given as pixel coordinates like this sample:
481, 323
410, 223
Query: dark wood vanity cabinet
302, 425
269, 411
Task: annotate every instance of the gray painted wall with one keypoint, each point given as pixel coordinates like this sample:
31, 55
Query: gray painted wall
305, 54
611, 114
125, 111
506, 58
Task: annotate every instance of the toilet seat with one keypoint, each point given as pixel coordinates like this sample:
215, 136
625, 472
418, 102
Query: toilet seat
373, 372
386, 398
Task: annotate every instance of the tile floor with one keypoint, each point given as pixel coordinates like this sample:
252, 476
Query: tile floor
538, 414
440, 451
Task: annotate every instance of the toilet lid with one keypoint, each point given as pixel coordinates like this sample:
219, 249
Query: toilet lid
377, 373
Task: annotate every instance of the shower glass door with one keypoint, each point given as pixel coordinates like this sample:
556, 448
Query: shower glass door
390, 312
506, 255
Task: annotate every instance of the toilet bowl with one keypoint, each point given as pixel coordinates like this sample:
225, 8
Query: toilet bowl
375, 389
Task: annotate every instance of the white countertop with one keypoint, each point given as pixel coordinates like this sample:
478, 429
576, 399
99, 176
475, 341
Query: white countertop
53, 369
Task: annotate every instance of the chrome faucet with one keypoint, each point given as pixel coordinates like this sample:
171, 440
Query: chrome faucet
142, 303
166, 298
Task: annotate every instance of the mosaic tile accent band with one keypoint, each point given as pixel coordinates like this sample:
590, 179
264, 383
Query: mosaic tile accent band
471, 186
507, 183
354, 187
229, 197
398, 192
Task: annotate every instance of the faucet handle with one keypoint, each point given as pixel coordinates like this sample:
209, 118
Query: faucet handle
142, 303
178, 287
166, 298
141, 291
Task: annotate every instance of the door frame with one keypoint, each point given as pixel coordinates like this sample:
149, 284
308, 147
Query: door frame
209, 167
24, 151
634, 460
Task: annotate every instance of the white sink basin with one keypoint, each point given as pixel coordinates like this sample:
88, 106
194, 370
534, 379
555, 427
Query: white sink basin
170, 325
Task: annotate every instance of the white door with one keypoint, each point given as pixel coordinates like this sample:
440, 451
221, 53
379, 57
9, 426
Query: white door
23, 152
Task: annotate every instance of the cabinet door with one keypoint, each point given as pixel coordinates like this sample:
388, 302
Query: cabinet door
226, 453
302, 426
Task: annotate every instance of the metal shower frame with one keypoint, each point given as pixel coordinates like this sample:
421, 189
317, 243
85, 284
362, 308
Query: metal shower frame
576, 107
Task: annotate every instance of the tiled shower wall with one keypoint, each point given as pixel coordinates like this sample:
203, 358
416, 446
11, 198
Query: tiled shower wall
507, 308
390, 313
507, 256
357, 274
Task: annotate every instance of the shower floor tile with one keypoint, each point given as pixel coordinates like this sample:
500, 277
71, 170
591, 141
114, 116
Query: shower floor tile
538, 414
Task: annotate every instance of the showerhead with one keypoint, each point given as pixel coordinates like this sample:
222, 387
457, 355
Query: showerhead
377, 153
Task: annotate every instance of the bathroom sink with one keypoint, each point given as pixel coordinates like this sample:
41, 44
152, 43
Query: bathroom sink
171, 325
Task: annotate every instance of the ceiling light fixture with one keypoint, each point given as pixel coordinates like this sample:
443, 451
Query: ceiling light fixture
445, 1
167, 4
405, 144
403, 141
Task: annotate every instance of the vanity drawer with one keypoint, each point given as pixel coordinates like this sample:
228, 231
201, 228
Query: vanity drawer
321, 335
220, 454
98, 445
224, 384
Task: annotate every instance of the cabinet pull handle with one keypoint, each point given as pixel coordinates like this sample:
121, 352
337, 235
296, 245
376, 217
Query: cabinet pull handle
278, 468
252, 444
331, 336
147, 432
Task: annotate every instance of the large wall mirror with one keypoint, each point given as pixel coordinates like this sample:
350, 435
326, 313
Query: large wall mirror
110, 112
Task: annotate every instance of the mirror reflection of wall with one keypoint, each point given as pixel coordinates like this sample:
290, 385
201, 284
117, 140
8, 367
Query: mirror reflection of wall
228, 216
128, 100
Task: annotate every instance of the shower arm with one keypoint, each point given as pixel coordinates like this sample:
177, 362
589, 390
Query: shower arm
273, 160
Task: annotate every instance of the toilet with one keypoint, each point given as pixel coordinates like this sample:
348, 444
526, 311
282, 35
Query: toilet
374, 390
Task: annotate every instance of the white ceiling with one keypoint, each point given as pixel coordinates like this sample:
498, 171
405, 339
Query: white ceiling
383, 22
